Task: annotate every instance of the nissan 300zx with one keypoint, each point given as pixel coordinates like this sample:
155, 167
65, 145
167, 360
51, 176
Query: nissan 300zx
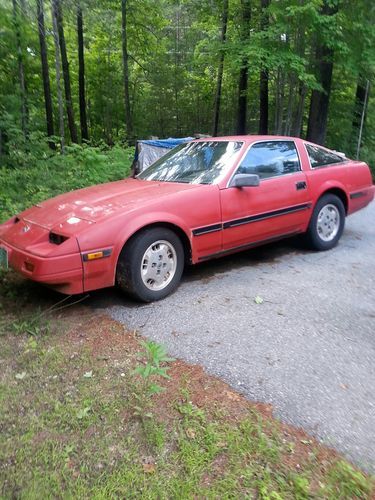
204, 199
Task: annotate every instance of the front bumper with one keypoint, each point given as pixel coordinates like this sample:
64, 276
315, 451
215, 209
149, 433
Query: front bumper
63, 273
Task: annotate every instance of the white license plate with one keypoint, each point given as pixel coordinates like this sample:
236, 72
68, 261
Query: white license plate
3, 259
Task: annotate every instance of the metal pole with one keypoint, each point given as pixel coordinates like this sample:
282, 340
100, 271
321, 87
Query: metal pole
362, 119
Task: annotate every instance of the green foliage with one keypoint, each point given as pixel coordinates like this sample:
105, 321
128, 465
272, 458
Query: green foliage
35, 326
40, 174
154, 355
346, 482
173, 56
149, 371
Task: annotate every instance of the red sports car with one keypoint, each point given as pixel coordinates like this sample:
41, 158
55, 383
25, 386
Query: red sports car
204, 199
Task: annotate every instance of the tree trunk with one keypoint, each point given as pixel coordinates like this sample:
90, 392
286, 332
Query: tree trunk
297, 120
66, 74
177, 70
360, 111
21, 71
289, 108
243, 77
296, 129
45, 73
279, 104
81, 77
54, 10
219, 81
318, 115
359, 104
125, 64
263, 81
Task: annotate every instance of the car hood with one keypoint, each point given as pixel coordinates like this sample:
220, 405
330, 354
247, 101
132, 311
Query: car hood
99, 202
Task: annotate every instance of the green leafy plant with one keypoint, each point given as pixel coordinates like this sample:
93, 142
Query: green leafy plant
34, 326
148, 371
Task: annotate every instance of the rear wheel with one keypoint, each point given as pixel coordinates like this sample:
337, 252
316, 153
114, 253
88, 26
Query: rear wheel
327, 223
151, 264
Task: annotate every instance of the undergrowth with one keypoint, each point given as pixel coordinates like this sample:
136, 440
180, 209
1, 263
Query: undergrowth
31, 177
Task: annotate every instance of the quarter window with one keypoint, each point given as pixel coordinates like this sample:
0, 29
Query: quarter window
320, 157
270, 159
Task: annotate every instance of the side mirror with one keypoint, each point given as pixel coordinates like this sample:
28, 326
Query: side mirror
245, 180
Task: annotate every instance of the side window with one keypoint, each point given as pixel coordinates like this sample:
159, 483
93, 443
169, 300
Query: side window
270, 159
320, 157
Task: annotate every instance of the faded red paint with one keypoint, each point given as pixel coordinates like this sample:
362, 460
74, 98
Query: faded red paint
104, 217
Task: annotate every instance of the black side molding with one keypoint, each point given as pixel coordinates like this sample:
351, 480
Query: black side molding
359, 194
207, 229
266, 215
251, 218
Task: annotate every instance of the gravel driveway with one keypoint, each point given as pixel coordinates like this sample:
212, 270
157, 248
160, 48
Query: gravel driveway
308, 349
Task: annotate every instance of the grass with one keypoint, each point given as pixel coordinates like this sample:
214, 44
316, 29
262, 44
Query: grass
72, 428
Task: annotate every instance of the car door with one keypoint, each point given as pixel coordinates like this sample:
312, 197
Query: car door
280, 205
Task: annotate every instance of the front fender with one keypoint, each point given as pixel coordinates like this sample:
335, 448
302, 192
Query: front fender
141, 221
101, 273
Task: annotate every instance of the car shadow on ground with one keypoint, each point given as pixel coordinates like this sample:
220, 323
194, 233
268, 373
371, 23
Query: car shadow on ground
42, 297
207, 271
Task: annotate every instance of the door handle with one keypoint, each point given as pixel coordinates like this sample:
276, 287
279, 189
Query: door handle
301, 185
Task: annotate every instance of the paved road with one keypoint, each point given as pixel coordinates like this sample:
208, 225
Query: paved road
308, 349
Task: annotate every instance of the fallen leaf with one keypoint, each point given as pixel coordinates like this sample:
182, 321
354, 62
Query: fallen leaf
149, 468
190, 433
234, 396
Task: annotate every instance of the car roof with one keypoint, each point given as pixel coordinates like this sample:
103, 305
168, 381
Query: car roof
247, 138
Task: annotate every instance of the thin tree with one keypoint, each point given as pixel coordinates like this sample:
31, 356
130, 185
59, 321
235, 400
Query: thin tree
54, 11
318, 114
244, 69
301, 91
45, 72
220, 70
125, 65
81, 76
360, 102
360, 111
66, 73
21, 70
263, 78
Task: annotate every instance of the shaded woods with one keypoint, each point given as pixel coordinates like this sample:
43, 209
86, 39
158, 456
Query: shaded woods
112, 71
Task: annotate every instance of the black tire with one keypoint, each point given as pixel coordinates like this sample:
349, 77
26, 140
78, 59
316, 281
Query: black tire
316, 237
132, 260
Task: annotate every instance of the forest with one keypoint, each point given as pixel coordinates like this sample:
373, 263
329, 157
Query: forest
105, 73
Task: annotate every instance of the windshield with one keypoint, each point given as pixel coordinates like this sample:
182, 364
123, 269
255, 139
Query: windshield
194, 163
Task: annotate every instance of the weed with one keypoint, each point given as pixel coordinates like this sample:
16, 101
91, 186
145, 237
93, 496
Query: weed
345, 482
34, 326
149, 371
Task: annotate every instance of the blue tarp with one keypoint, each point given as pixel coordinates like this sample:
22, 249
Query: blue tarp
148, 151
170, 143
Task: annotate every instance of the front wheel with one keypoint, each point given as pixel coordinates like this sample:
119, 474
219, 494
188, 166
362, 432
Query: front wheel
327, 223
151, 264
